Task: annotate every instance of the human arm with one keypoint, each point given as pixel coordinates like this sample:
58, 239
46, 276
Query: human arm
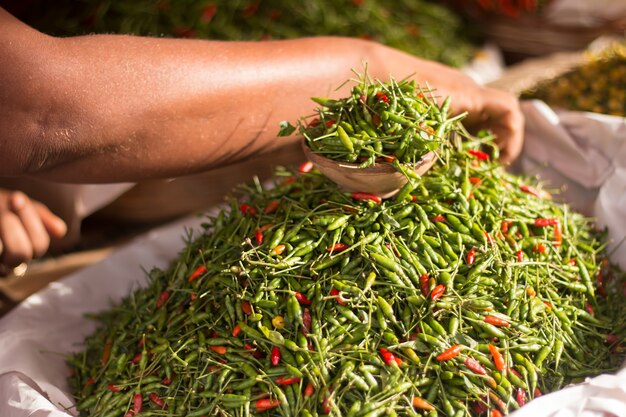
106, 108
27, 228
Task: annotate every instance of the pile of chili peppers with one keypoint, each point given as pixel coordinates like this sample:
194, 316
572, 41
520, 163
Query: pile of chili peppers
421, 27
508, 8
379, 122
469, 295
598, 86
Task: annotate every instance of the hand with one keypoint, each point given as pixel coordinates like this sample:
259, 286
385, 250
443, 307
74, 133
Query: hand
499, 112
26, 228
487, 108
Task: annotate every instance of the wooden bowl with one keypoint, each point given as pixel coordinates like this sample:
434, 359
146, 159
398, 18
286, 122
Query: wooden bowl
383, 179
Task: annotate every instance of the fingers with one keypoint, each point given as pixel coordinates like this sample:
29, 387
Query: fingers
32, 223
500, 112
15, 240
55, 226
26, 228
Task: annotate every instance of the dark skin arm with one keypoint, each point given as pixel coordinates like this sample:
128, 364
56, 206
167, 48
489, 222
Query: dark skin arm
107, 108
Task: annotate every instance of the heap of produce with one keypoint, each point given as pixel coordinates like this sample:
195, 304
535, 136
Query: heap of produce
598, 86
378, 123
471, 293
420, 27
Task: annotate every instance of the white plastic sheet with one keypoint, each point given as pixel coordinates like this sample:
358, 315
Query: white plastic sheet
585, 155
37, 334
586, 152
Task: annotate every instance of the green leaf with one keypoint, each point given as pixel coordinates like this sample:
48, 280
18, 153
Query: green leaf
286, 128
276, 337
462, 339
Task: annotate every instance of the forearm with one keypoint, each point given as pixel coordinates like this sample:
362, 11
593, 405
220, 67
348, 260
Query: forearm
116, 108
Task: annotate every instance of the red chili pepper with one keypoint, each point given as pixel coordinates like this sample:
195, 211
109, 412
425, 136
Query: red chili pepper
548, 304
106, 352
450, 353
156, 400
306, 321
376, 119
489, 237
520, 256
256, 353
537, 393
495, 413
337, 247
479, 407
480, 155
305, 167
540, 248
168, 381
220, 350
336, 293
302, 299
93, 381
289, 180
197, 273
236, 330
438, 218
279, 249
533, 191
258, 235
247, 209
425, 284
265, 404
388, 357
367, 196
543, 222
437, 292
329, 123
496, 321
314, 122
275, 355
208, 13
113, 388
382, 97
163, 297
611, 339
422, 404
558, 235
137, 403
471, 256
246, 307
473, 365
271, 207
498, 359
520, 397
504, 227
135, 360
283, 380
309, 390
326, 405
475, 180
589, 308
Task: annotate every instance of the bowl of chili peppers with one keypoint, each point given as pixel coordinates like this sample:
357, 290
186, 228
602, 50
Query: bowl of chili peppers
379, 139
382, 179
